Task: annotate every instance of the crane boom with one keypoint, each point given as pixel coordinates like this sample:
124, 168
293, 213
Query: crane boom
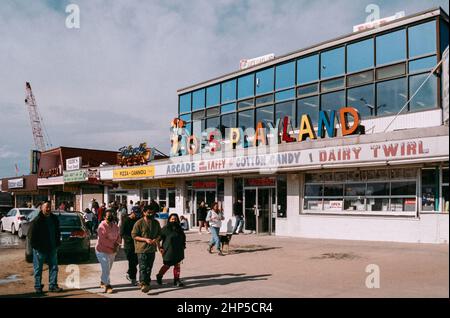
35, 119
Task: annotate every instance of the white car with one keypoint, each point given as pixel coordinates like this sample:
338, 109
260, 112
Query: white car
13, 220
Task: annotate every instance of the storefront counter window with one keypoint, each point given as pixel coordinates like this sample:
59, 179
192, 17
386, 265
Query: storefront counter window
383, 191
430, 189
165, 197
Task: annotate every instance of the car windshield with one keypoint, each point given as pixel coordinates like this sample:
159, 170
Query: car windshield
69, 220
26, 211
32, 215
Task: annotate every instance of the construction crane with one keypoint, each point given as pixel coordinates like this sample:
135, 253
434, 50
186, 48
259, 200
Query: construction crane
41, 141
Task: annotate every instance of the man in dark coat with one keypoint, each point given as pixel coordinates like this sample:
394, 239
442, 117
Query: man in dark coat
171, 245
125, 232
45, 238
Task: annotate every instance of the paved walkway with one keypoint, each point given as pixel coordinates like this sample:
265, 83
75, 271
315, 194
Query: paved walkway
268, 266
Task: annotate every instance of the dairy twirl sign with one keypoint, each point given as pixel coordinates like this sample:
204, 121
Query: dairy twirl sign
73, 164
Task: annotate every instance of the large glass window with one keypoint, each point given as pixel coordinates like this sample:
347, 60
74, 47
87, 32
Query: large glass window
285, 75
264, 81
228, 121
422, 39
360, 56
264, 115
246, 119
363, 99
423, 64
198, 99
332, 101
246, 86
360, 78
308, 69
285, 109
391, 96
228, 108
186, 117
285, 95
246, 103
308, 106
185, 103
332, 85
391, 47
264, 99
213, 122
229, 91
308, 90
213, 95
426, 97
332, 63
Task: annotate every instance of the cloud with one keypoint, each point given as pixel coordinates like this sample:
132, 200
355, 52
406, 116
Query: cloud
114, 81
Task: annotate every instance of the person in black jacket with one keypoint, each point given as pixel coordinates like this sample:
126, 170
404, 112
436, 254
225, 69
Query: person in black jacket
171, 245
201, 217
45, 239
125, 232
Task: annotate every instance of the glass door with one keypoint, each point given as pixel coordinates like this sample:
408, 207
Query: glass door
250, 209
258, 203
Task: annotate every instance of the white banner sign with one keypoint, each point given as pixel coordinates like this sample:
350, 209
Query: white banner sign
73, 164
15, 183
50, 181
378, 23
244, 63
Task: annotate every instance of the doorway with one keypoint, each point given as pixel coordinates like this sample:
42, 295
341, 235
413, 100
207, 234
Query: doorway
258, 208
208, 196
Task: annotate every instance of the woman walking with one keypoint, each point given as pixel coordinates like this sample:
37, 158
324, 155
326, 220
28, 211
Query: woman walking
106, 249
171, 246
201, 217
215, 218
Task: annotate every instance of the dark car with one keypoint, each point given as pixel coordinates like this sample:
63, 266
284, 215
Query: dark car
75, 239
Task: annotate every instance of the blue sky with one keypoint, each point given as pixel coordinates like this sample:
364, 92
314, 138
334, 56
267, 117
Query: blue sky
113, 82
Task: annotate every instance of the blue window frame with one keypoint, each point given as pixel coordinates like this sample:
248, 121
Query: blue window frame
186, 117
332, 101
285, 95
422, 39
185, 103
213, 96
391, 47
308, 106
363, 99
265, 81
198, 99
391, 96
360, 56
231, 107
308, 69
332, 63
426, 97
246, 86
229, 91
285, 76
423, 64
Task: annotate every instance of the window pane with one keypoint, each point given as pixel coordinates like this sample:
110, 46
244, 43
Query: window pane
264, 99
213, 111
285, 109
228, 108
333, 190
313, 204
284, 95
332, 85
355, 189
376, 189
354, 204
313, 190
264, 81
264, 115
245, 103
360, 56
430, 192
391, 96
426, 97
332, 205
375, 204
332, 63
403, 188
246, 86
188, 128
229, 91
363, 99
360, 78
198, 115
391, 71
308, 106
422, 39
307, 90
213, 95
332, 101
400, 205
198, 99
285, 75
186, 117
246, 119
228, 121
391, 47
185, 103
213, 122
421, 65
308, 69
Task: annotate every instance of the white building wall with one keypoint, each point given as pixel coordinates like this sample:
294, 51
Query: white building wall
180, 198
228, 223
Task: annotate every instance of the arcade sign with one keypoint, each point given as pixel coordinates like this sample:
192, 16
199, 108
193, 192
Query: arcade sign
133, 156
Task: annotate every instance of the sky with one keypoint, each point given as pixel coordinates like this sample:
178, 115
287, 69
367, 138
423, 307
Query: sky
114, 81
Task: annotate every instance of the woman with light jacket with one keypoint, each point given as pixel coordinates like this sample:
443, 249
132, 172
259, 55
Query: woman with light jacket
215, 218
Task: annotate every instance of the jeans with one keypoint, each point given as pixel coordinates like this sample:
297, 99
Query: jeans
145, 267
239, 224
38, 263
106, 262
215, 240
132, 263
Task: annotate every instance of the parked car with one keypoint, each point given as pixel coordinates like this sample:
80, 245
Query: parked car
12, 222
23, 230
4, 210
75, 239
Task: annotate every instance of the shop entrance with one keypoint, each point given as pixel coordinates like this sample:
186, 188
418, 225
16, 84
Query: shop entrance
208, 196
258, 203
120, 197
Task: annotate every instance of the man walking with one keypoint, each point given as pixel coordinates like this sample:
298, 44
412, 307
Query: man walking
45, 239
239, 215
146, 233
125, 233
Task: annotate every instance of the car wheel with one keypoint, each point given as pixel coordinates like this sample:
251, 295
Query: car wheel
20, 233
13, 229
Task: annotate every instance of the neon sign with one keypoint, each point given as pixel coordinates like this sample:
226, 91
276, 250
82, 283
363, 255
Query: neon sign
131, 156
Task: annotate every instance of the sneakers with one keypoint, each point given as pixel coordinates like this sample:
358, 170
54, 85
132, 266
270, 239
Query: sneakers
159, 279
145, 288
220, 253
40, 291
108, 289
102, 285
55, 289
134, 282
209, 249
177, 282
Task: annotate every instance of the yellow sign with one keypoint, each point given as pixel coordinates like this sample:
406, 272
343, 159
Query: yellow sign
131, 173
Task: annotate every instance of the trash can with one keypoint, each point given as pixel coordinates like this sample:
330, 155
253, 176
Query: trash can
162, 218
